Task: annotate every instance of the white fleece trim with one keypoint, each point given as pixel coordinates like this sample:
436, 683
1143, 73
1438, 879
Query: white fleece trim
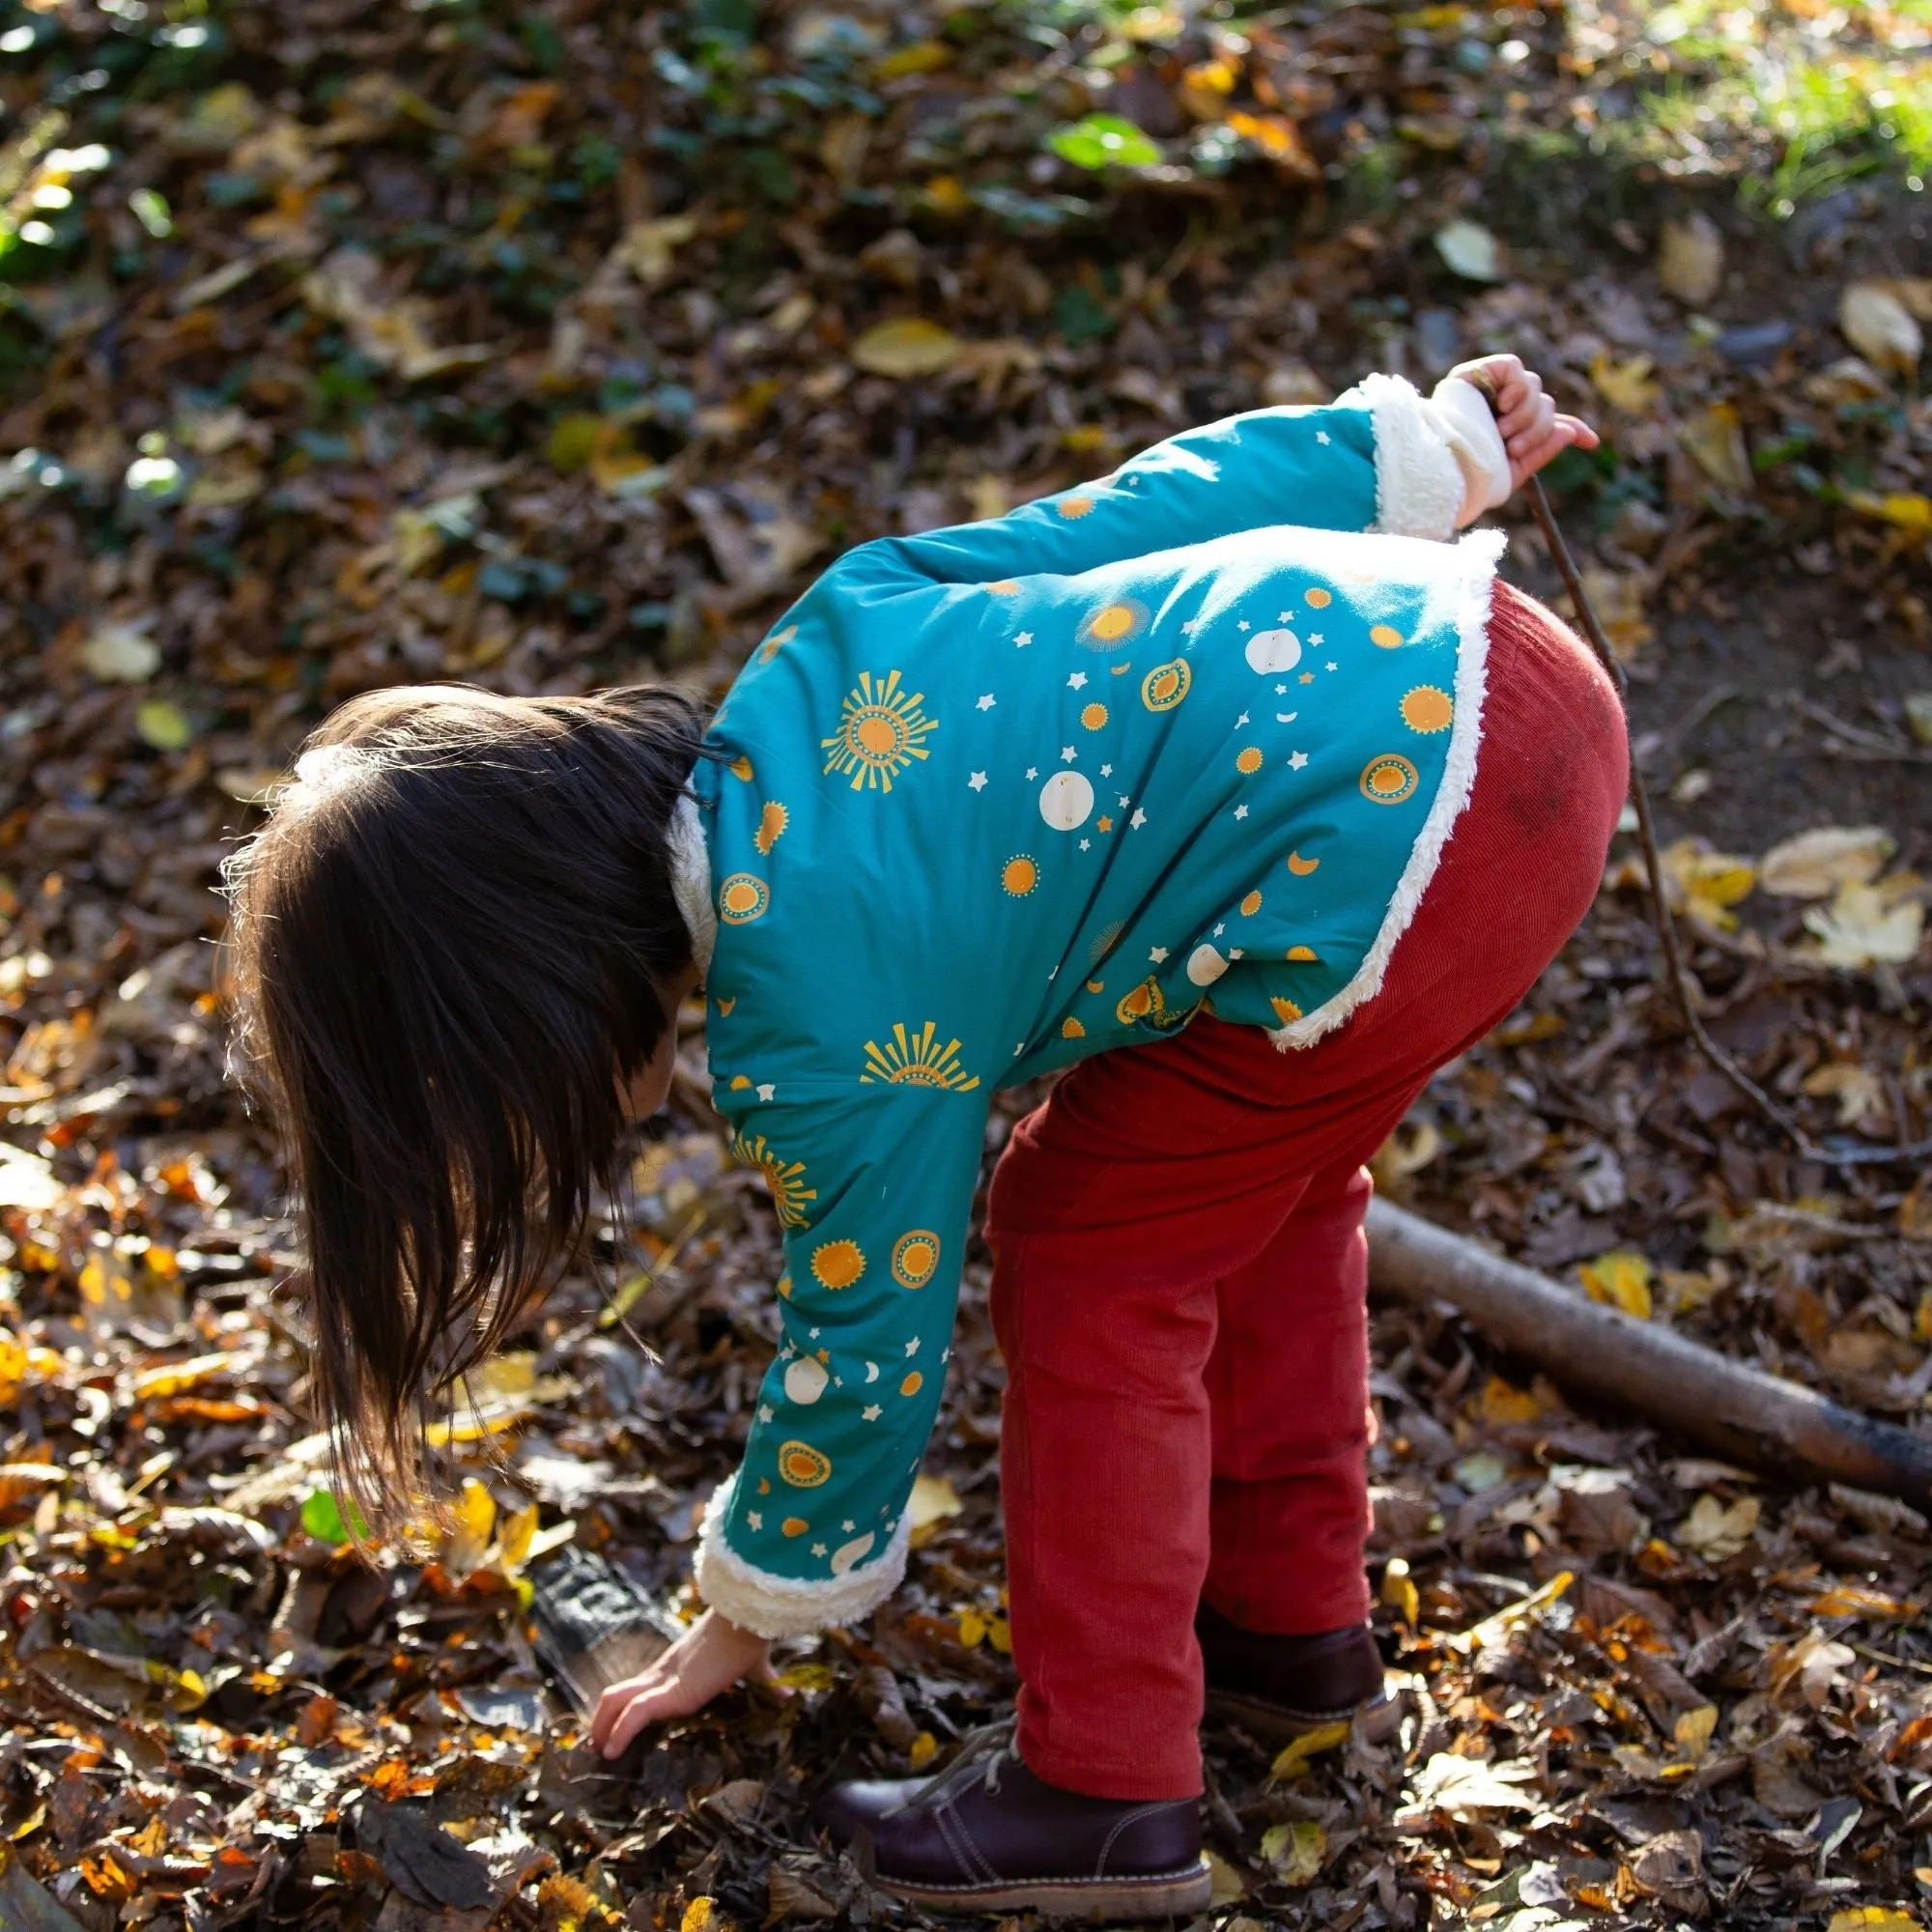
1477, 443
774, 1606
1419, 485
1479, 556
691, 880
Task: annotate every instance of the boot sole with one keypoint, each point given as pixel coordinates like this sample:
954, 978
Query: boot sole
1380, 1718
1164, 1895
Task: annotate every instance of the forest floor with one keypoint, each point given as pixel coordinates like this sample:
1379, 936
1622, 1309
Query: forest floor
556, 345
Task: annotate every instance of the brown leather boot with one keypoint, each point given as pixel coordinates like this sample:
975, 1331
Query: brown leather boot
986, 1836
1283, 1686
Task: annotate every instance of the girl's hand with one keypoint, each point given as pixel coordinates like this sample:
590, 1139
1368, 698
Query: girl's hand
1534, 435
710, 1657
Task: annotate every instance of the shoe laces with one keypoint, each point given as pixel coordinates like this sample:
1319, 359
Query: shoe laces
989, 1744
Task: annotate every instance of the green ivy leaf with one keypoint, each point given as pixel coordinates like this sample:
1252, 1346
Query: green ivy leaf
1103, 141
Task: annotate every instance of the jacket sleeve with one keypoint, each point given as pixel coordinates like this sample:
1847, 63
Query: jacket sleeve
1381, 457
875, 1186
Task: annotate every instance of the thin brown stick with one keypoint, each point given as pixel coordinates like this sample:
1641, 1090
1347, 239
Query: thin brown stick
1666, 926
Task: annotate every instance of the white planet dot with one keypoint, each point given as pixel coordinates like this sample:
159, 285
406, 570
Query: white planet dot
1273, 651
1065, 800
1205, 965
848, 1554
806, 1379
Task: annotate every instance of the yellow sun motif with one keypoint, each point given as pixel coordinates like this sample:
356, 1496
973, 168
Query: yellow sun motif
1071, 1029
837, 1264
1305, 955
1386, 636
785, 1179
741, 1083
1147, 1006
1249, 760
775, 642
802, 1465
1427, 709
880, 731
742, 899
771, 822
785, 1287
1284, 1010
1073, 508
1111, 625
764, 1486
1019, 875
1094, 716
1389, 778
917, 1059
915, 1255
1251, 905
913, 1383
1104, 942
1166, 685
795, 1525
1321, 599
740, 767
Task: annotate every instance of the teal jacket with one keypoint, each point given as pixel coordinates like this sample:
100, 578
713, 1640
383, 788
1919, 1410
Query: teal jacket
995, 798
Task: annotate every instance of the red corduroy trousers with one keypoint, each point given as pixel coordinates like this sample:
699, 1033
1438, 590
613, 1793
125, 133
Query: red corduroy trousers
1181, 1270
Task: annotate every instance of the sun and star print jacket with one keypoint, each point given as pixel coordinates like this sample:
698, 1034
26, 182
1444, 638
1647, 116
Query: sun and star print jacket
991, 799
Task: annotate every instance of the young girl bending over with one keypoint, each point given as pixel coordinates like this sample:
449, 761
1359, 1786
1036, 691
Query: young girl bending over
1225, 787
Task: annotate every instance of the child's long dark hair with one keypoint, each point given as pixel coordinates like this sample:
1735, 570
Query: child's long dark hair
450, 943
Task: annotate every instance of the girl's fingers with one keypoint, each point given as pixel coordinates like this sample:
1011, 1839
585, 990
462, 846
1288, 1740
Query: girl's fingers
1532, 427
1579, 432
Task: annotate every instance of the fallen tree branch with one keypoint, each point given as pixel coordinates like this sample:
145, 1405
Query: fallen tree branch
1686, 1389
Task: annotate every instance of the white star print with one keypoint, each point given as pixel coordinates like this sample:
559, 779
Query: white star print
1220, 929
976, 783
764, 1411
1125, 801
1315, 637
1077, 681
1106, 771
1242, 625
1019, 1047
756, 1519
848, 1525
1033, 771
812, 1334
1331, 665
1296, 761
1086, 844
818, 1549
1138, 819
1240, 721
839, 1381
1023, 639
1234, 953
1281, 690
1240, 811
1156, 953
987, 702
871, 1412
1286, 617
912, 1346
1068, 753
766, 1091
1321, 436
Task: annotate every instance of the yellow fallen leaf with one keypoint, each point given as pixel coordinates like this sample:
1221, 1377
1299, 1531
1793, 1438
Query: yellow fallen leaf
1867, 925
1493, 1629
1859, 1092
1715, 440
1694, 1731
1399, 1591
1690, 259
1622, 1279
118, 653
476, 1516
1849, 1600
1880, 327
921, 57
1504, 1407
933, 1499
1814, 863
1714, 1532
1904, 508
12, 1367
168, 1379
701, 1914
905, 347
1618, 599
1873, 1919
649, 247
163, 725
1707, 883
515, 1534
1625, 385
1293, 1759
1226, 1885
1295, 1850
